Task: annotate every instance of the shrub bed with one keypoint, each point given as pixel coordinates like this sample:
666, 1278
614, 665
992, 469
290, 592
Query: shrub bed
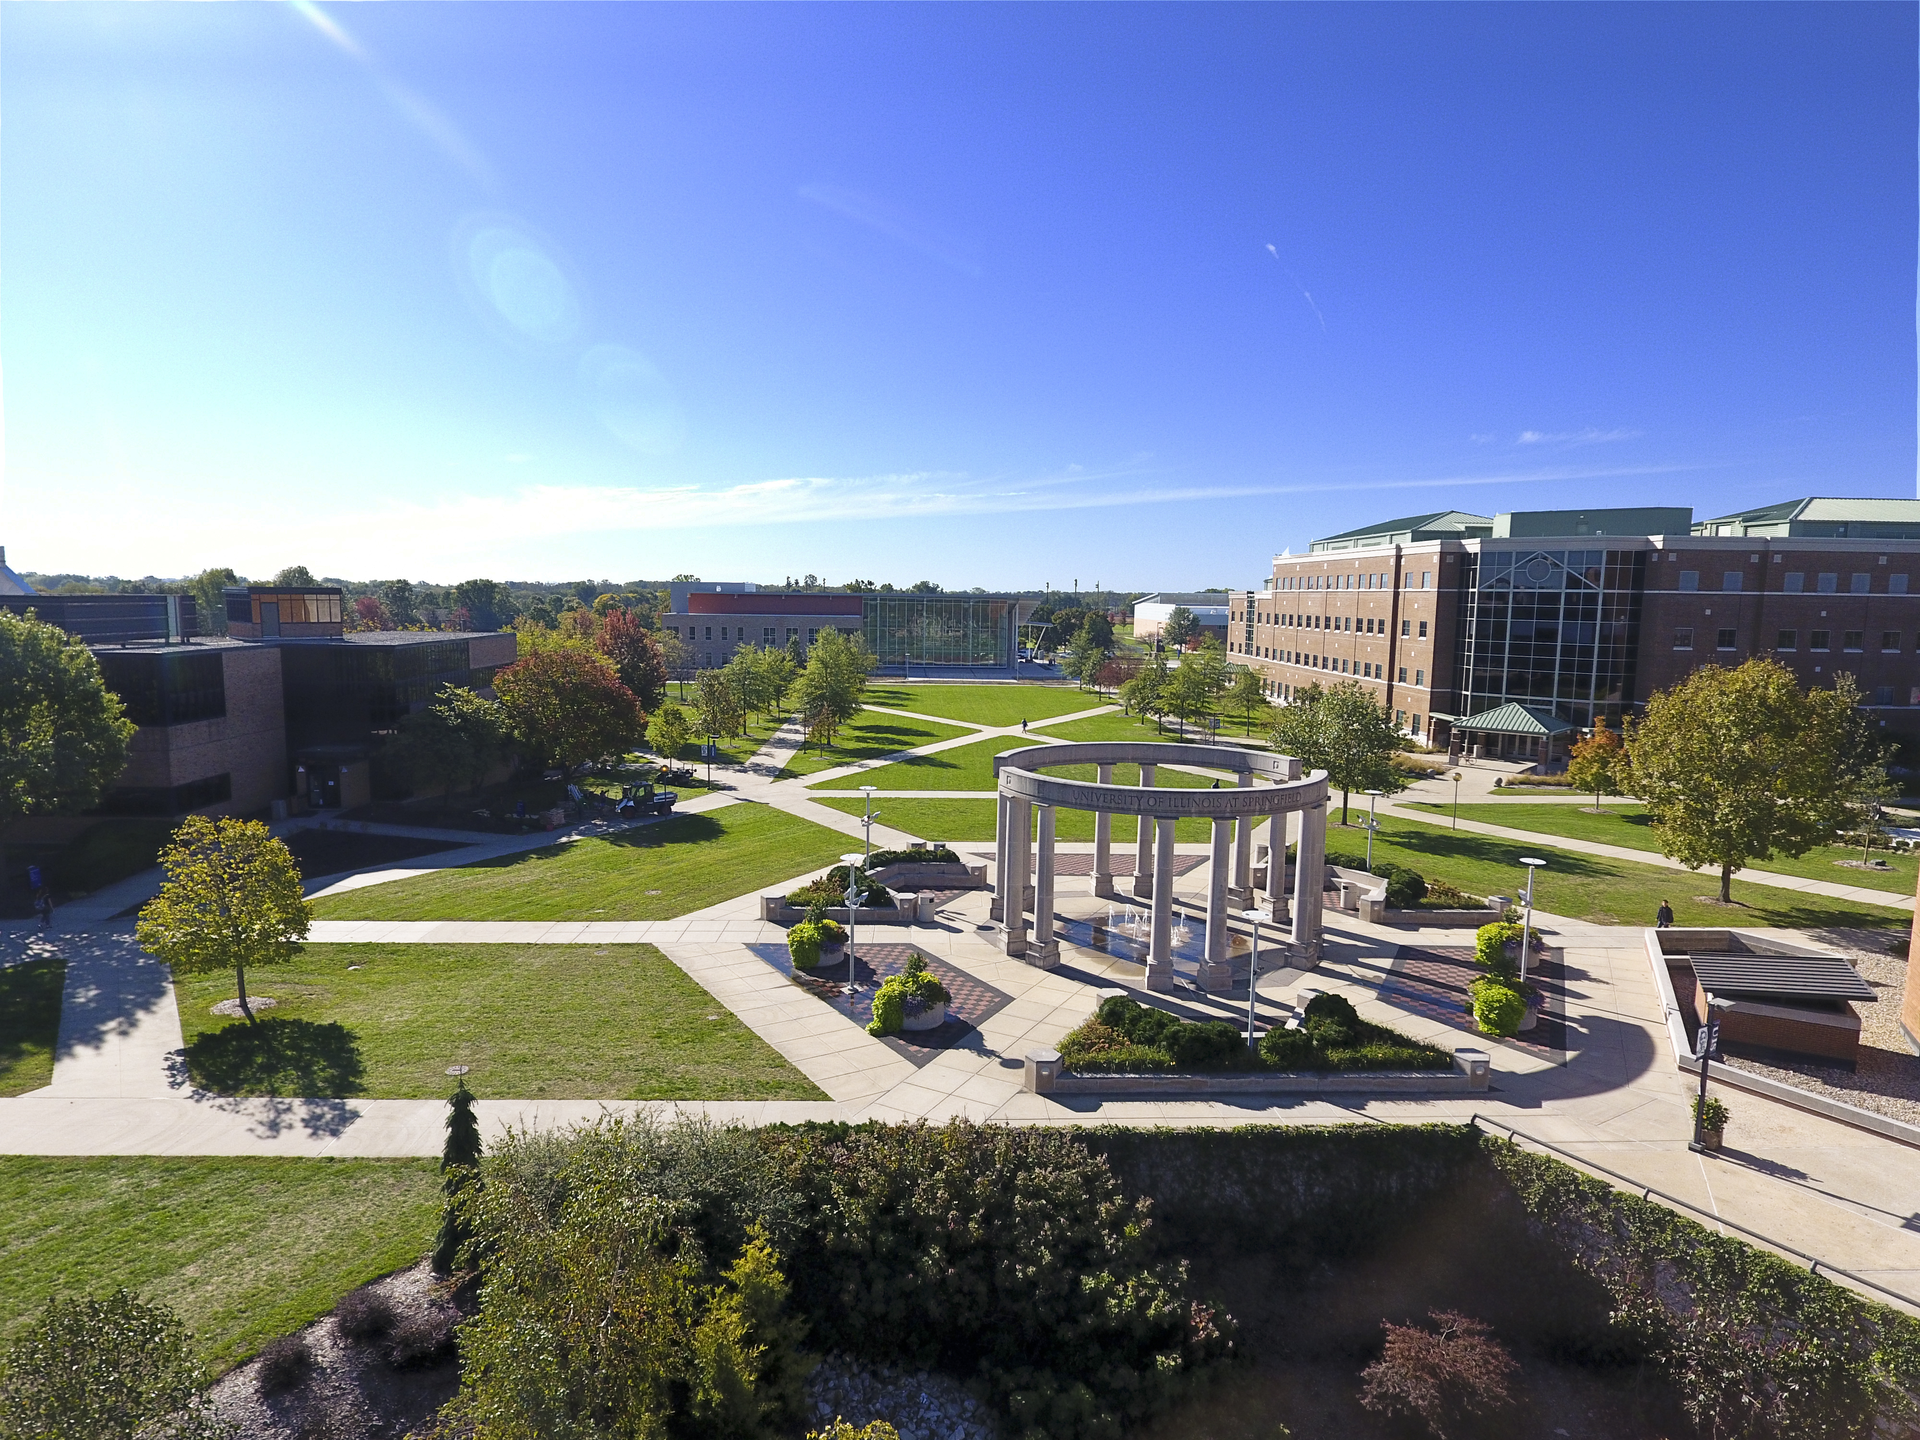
831, 889
923, 855
1127, 1038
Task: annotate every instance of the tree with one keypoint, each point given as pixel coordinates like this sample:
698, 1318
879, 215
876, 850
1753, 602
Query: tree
827, 694
567, 705
1449, 1378
677, 658
1191, 690
797, 652
452, 743
481, 599
1339, 729
106, 1369
1737, 765
369, 614
298, 575
1597, 762
760, 676
1181, 627
1089, 661
459, 1169
1115, 672
1145, 691
63, 734
1095, 630
398, 597
718, 704
231, 900
668, 733
209, 604
635, 656
1247, 694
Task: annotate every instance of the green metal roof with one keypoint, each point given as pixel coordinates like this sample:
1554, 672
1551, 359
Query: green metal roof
1515, 719
1822, 516
1433, 525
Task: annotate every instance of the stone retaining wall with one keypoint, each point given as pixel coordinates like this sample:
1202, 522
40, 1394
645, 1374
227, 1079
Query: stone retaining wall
1044, 1076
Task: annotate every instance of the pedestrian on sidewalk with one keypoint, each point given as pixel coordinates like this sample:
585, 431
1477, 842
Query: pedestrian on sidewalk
43, 906
1665, 916
1023, 727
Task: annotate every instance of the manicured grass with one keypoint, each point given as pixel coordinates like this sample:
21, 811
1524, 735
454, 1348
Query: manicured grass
985, 704
693, 861
970, 767
1626, 824
537, 1022
29, 1023
972, 820
737, 751
1591, 887
243, 1249
1130, 727
869, 737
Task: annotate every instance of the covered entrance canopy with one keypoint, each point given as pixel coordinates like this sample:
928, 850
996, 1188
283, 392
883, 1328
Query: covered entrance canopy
1511, 732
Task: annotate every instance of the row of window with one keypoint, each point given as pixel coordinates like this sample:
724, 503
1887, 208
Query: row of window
1366, 625
1852, 641
1411, 724
1381, 581
1365, 669
1794, 582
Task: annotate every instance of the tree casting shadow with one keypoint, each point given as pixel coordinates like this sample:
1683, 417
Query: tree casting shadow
278, 1056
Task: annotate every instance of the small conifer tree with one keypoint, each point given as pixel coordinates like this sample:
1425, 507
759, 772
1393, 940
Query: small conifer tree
459, 1168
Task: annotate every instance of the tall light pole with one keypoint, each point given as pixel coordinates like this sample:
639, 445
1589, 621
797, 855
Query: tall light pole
1373, 824
868, 791
1254, 918
1526, 928
853, 863
1455, 777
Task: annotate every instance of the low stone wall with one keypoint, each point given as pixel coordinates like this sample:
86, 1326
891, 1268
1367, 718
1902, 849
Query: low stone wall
775, 910
932, 875
1452, 919
1045, 1076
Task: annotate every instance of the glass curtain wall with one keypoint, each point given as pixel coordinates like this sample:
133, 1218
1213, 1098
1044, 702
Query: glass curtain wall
938, 630
344, 694
1552, 629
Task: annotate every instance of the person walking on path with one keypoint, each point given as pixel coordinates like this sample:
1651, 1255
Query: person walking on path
1023, 727
1664, 917
43, 906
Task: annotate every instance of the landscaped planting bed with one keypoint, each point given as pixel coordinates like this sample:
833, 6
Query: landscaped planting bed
652, 872
243, 1249
969, 821
1127, 1038
539, 1022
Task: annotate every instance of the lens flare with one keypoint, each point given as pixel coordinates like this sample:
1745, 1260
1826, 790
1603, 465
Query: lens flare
632, 399
523, 285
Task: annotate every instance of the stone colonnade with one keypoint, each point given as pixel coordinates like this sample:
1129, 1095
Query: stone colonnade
1024, 880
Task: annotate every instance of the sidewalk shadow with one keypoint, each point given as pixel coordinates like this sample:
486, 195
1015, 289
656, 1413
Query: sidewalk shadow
111, 987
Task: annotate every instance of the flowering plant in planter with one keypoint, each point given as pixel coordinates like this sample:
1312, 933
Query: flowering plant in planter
1710, 1114
807, 940
906, 996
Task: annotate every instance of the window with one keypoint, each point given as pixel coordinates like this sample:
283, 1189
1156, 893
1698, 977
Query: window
1853, 640
1426, 579
1406, 628
1890, 640
1689, 579
1819, 640
1400, 718
1883, 694
709, 632
1829, 584
1403, 674
1794, 582
1724, 640
792, 634
1683, 637
1731, 580
813, 633
1420, 678
767, 633
1863, 583
1896, 584
1416, 725
1423, 629
1787, 640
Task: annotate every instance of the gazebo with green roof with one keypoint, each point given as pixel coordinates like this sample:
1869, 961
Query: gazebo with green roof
1511, 732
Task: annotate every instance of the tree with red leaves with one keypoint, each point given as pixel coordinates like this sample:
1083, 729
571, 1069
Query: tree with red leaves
568, 705
1446, 1378
635, 655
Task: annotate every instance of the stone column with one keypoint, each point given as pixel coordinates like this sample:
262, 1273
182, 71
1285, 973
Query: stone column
1143, 865
1310, 879
997, 910
1019, 843
1241, 891
1102, 882
1215, 973
1160, 953
1044, 949
1277, 867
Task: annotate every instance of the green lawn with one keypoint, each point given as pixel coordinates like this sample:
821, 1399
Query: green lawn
536, 1022
693, 861
971, 820
1625, 824
1116, 726
970, 767
29, 1023
1591, 887
984, 704
738, 750
870, 737
243, 1249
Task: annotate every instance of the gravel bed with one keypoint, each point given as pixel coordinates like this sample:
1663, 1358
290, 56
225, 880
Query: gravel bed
1887, 1080
920, 1405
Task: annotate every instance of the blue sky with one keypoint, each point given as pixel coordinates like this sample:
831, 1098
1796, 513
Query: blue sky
990, 295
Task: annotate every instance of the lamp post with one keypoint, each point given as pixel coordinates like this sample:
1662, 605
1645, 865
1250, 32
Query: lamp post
1253, 917
853, 862
1373, 824
1455, 777
868, 791
1707, 1042
1526, 929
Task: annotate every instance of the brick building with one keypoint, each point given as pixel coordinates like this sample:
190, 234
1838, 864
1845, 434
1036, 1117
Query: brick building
1507, 635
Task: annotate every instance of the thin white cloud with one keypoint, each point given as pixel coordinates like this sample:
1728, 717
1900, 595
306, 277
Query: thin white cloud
1305, 293
1588, 436
877, 215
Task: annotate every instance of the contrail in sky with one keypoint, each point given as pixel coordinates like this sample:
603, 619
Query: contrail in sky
1305, 294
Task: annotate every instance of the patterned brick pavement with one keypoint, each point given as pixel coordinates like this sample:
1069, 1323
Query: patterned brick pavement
973, 1000
1433, 982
